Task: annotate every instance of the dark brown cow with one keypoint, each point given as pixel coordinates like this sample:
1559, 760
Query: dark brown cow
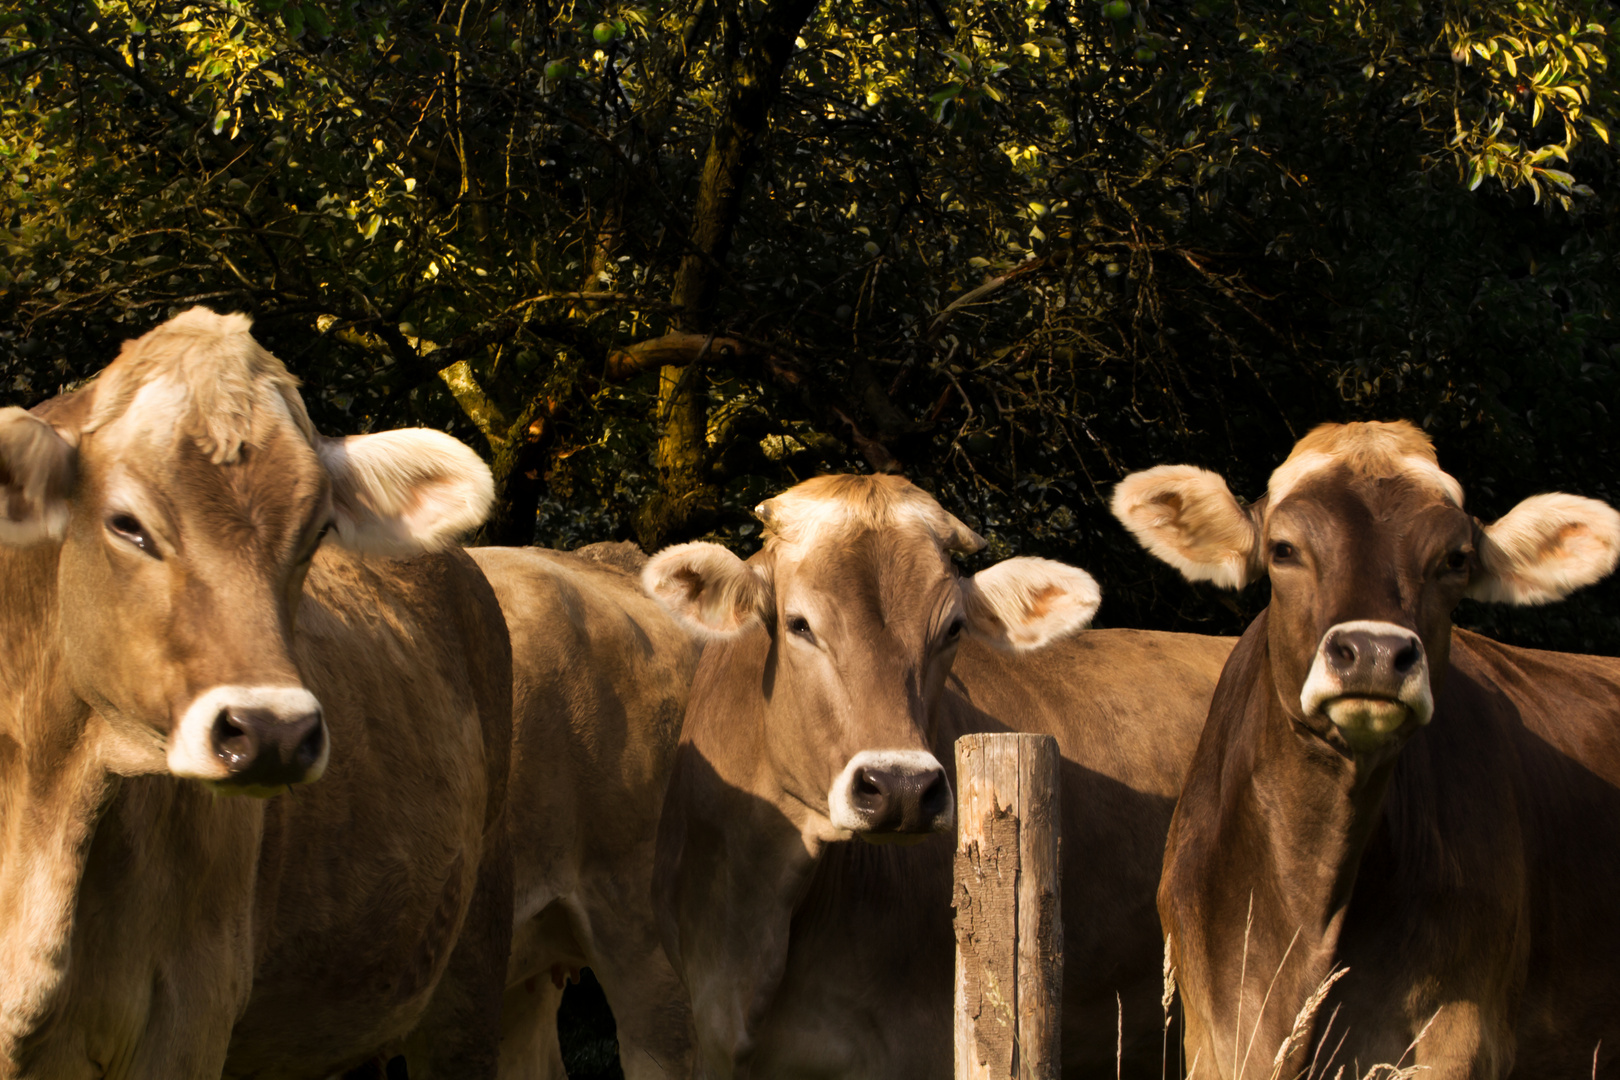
171, 637
1375, 791
847, 657
601, 672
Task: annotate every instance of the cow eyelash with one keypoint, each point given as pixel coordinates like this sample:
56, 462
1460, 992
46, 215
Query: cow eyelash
954, 631
126, 528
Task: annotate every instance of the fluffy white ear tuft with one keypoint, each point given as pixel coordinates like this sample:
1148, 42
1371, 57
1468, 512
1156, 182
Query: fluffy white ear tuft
401, 493
1025, 603
1545, 548
707, 588
1187, 517
37, 470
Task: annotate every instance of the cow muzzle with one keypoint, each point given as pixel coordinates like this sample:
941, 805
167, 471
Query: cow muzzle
252, 740
892, 796
1371, 679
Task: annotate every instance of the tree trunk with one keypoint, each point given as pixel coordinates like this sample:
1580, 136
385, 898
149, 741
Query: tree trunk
688, 499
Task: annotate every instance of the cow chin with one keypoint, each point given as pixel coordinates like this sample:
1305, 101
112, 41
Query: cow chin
1367, 723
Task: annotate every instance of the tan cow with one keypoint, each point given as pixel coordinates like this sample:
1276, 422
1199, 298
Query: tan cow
1398, 842
602, 674
172, 637
847, 656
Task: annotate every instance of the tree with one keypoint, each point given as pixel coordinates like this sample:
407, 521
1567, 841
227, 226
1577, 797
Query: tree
659, 261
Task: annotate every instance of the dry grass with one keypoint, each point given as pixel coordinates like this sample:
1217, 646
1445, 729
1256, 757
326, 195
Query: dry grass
1304, 1022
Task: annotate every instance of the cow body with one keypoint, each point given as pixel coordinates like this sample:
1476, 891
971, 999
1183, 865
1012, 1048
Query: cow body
855, 976
1396, 844
601, 678
174, 645
847, 658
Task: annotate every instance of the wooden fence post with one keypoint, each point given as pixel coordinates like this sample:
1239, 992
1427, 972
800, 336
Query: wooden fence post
1009, 921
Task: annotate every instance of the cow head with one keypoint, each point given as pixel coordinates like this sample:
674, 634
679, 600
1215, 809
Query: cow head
856, 588
185, 493
1368, 550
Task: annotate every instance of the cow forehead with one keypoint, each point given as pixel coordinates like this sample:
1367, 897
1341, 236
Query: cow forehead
1367, 451
884, 570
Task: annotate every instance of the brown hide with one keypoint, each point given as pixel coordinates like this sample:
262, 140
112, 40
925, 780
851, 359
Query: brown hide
342, 905
601, 677
155, 923
1456, 868
807, 958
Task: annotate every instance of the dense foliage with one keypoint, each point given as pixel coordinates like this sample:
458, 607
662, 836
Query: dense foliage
658, 261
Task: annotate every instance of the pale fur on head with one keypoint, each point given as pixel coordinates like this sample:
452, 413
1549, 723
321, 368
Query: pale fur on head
228, 389
806, 513
1187, 517
39, 468
707, 588
1545, 548
1027, 602
1379, 449
406, 491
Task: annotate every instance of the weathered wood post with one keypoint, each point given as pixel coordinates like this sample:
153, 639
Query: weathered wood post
1009, 922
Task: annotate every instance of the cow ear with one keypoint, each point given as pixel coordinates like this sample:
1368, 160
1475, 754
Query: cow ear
401, 493
1025, 603
1188, 518
37, 470
1545, 548
707, 588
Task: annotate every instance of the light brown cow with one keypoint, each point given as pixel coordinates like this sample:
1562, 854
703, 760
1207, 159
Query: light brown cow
601, 674
171, 637
847, 657
1415, 828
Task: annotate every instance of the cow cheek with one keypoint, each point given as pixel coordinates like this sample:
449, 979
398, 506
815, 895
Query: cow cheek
114, 632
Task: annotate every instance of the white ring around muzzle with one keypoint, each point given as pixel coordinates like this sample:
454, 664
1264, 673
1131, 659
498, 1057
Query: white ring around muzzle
190, 751
1323, 684
840, 798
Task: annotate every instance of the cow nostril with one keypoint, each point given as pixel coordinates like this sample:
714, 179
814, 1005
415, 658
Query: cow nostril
233, 743
310, 747
1344, 652
937, 797
1407, 658
865, 785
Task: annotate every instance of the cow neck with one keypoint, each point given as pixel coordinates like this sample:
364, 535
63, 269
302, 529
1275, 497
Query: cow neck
733, 863
53, 790
1272, 868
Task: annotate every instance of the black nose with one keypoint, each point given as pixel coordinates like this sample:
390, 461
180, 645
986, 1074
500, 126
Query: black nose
901, 801
1371, 660
263, 749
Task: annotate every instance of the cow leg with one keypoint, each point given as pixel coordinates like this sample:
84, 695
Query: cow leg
459, 1035
650, 1012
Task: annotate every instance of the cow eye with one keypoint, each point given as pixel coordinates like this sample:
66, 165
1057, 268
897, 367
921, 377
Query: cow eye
954, 631
1282, 551
1457, 562
127, 529
799, 625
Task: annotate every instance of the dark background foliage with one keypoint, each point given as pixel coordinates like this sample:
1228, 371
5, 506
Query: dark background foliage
660, 261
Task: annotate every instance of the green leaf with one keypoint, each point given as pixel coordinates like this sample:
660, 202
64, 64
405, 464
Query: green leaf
1600, 127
